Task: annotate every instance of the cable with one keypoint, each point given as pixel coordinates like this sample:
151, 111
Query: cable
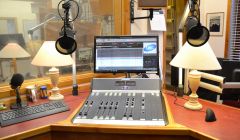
67, 4
176, 98
175, 102
195, 12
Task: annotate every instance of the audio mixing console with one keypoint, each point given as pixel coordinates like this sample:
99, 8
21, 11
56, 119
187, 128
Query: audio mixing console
123, 102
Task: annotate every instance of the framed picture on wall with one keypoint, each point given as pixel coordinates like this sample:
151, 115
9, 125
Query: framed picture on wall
215, 23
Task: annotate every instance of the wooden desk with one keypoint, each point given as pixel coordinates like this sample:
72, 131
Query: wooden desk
226, 127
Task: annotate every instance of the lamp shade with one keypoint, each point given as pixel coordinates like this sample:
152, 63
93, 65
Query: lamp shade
13, 50
49, 56
197, 58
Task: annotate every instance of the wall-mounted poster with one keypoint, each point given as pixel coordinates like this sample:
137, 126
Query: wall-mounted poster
215, 23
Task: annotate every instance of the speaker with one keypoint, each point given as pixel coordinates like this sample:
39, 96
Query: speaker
152, 3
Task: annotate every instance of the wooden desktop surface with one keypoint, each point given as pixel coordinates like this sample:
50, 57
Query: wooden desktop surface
226, 127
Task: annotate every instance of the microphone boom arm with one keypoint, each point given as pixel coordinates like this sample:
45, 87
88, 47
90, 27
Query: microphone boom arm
31, 31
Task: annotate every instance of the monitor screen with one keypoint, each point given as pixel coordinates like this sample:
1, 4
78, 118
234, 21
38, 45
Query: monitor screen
130, 54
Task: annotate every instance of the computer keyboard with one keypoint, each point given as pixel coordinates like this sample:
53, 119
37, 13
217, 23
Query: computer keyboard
31, 112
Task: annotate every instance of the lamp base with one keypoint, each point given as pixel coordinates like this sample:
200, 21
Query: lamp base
55, 95
193, 103
194, 81
197, 106
54, 75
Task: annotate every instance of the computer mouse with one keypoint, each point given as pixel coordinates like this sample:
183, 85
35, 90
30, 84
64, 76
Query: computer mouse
210, 115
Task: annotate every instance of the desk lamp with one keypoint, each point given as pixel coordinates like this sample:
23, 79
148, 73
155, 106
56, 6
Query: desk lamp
195, 58
13, 50
49, 56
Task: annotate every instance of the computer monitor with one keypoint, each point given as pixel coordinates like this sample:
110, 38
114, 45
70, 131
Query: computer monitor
126, 54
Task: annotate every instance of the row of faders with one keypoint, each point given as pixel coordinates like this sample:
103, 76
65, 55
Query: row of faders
133, 107
127, 101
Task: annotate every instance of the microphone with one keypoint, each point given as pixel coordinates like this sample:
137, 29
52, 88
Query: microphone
197, 35
16, 82
191, 22
192, 4
66, 44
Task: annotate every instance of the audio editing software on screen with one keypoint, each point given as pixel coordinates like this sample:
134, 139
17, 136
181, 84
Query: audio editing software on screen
126, 54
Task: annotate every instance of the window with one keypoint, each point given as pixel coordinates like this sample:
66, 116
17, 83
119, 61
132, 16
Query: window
96, 17
234, 43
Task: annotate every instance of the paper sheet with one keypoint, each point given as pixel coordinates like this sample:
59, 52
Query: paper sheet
158, 23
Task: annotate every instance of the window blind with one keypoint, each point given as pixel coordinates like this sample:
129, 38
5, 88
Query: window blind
234, 45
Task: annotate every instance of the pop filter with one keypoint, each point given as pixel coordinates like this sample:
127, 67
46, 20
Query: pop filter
197, 35
66, 45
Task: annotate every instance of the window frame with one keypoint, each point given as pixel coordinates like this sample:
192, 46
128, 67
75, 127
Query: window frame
228, 29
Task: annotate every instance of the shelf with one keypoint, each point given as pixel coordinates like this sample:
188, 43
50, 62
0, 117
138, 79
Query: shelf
170, 7
170, 33
170, 20
168, 72
169, 48
168, 61
170, 38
